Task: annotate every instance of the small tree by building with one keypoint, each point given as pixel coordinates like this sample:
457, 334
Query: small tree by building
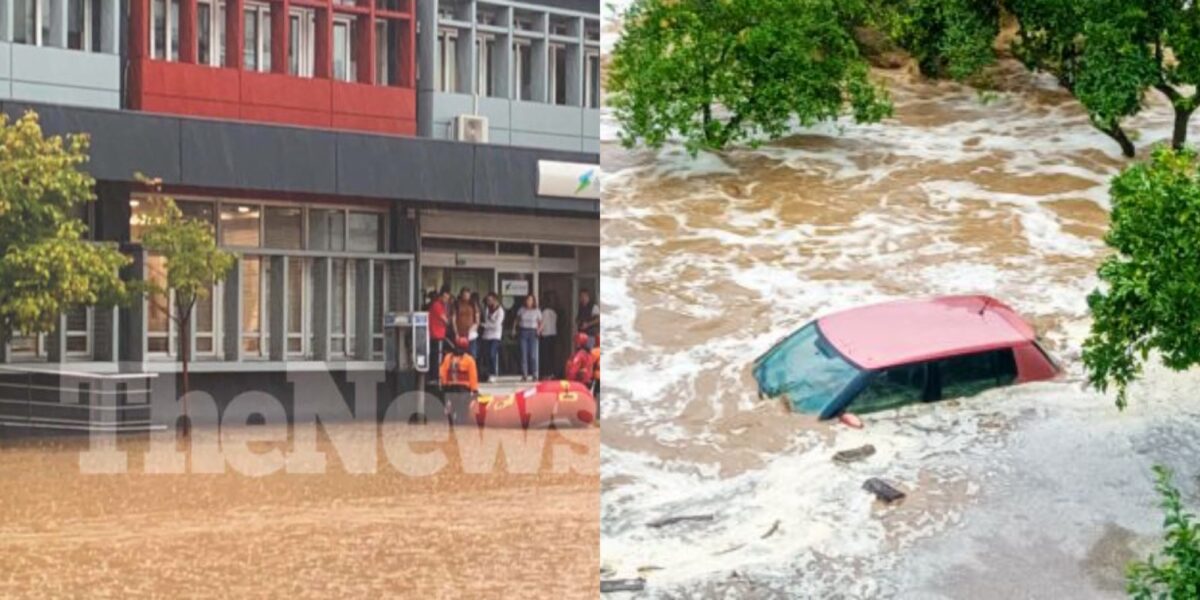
1175, 572
47, 266
1151, 283
194, 264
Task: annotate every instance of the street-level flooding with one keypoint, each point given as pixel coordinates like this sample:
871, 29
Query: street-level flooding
1042, 490
476, 525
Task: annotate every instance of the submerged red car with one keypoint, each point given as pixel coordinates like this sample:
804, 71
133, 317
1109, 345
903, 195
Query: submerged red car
887, 355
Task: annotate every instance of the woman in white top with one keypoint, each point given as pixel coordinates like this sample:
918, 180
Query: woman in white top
547, 357
529, 325
492, 329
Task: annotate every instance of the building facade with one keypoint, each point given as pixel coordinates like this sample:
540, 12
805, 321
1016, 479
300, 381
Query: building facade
295, 138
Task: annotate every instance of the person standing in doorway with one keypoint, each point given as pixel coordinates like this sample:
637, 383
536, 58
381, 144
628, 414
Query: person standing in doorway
588, 320
529, 327
439, 321
493, 329
477, 304
547, 356
465, 318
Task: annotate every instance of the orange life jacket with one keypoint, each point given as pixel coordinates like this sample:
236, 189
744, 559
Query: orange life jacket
580, 367
459, 371
596, 363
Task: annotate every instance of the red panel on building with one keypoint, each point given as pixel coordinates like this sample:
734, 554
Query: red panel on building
233, 92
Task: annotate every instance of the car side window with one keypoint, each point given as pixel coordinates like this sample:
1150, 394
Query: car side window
971, 374
892, 387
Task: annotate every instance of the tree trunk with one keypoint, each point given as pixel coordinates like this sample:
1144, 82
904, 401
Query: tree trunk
185, 346
1117, 134
1179, 136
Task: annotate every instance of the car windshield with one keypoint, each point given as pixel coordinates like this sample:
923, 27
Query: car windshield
807, 369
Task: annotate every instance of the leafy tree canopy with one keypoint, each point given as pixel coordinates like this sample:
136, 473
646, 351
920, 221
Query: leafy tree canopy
948, 38
47, 266
1150, 284
718, 72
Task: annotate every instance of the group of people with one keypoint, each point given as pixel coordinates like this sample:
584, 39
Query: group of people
466, 334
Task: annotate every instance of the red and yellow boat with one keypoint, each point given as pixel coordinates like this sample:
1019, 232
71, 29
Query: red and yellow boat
560, 403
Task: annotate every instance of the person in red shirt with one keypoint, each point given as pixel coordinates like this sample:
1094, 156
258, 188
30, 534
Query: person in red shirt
438, 321
579, 366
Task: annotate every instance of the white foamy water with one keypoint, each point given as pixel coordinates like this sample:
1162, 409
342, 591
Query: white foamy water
706, 262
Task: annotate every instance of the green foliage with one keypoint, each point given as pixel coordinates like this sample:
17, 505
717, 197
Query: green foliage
1108, 53
721, 72
46, 265
194, 263
948, 38
1175, 573
1148, 301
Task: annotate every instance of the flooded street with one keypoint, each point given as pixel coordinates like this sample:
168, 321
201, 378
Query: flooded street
465, 531
1041, 490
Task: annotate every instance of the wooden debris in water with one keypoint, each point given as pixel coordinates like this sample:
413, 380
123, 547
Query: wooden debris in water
883, 490
854, 454
622, 585
771, 532
680, 519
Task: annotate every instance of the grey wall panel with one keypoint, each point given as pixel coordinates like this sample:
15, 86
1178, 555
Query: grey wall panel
229, 154
66, 68
58, 94
547, 118
5, 60
123, 143
542, 140
591, 123
591, 145
395, 167
584, 6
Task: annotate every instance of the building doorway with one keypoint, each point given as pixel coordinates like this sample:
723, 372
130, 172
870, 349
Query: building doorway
557, 290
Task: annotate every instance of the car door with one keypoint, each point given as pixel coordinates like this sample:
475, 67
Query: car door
892, 388
970, 374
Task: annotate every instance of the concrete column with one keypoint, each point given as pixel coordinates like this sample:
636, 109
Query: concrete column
502, 63
364, 297
6, 35
540, 62
233, 35
281, 24
110, 26
132, 339
465, 52
56, 342
323, 44
575, 64
104, 333
5, 350
364, 46
321, 273
58, 24
187, 31
231, 330
279, 308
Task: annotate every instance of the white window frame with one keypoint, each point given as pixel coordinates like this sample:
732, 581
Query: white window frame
304, 334
264, 311
216, 32
447, 71
381, 52
305, 36
348, 22
85, 333
591, 92
484, 45
519, 68
85, 34
38, 17
262, 46
552, 51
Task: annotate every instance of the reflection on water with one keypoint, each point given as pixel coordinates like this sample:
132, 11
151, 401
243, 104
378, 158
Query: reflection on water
708, 262
453, 534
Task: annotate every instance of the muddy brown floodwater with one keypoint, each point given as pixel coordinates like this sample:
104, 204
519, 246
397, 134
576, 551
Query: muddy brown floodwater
453, 534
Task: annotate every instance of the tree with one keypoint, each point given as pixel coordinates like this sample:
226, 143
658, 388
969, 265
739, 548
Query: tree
194, 263
1175, 574
1151, 282
47, 266
948, 38
720, 72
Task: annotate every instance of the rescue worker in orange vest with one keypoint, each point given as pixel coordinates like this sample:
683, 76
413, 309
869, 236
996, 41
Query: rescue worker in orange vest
460, 380
580, 365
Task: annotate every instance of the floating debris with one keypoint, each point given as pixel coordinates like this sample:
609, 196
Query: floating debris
622, 585
883, 490
854, 454
680, 519
774, 528
732, 548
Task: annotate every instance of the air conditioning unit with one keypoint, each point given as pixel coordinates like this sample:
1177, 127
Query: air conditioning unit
471, 128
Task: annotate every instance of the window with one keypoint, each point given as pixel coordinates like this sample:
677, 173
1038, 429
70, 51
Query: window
301, 36
458, 245
591, 80
892, 388
366, 232
158, 309
297, 283
204, 325
256, 277
967, 375
808, 370
556, 251
341, 319
523, 71
517, 248
386, 52
284, 227
484, 46
210, 33
164, 34
256, 37
327, 230
78, 330
240, 225
79, 24
447, 75
558, 74
379, 307
344, 64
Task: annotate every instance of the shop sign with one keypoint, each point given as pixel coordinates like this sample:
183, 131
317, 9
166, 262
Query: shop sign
514, 287
568, 179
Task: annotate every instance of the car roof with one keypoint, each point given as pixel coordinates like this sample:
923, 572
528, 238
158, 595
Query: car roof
906, 331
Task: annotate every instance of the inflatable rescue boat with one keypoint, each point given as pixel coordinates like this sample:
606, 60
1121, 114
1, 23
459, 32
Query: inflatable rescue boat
562, 403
